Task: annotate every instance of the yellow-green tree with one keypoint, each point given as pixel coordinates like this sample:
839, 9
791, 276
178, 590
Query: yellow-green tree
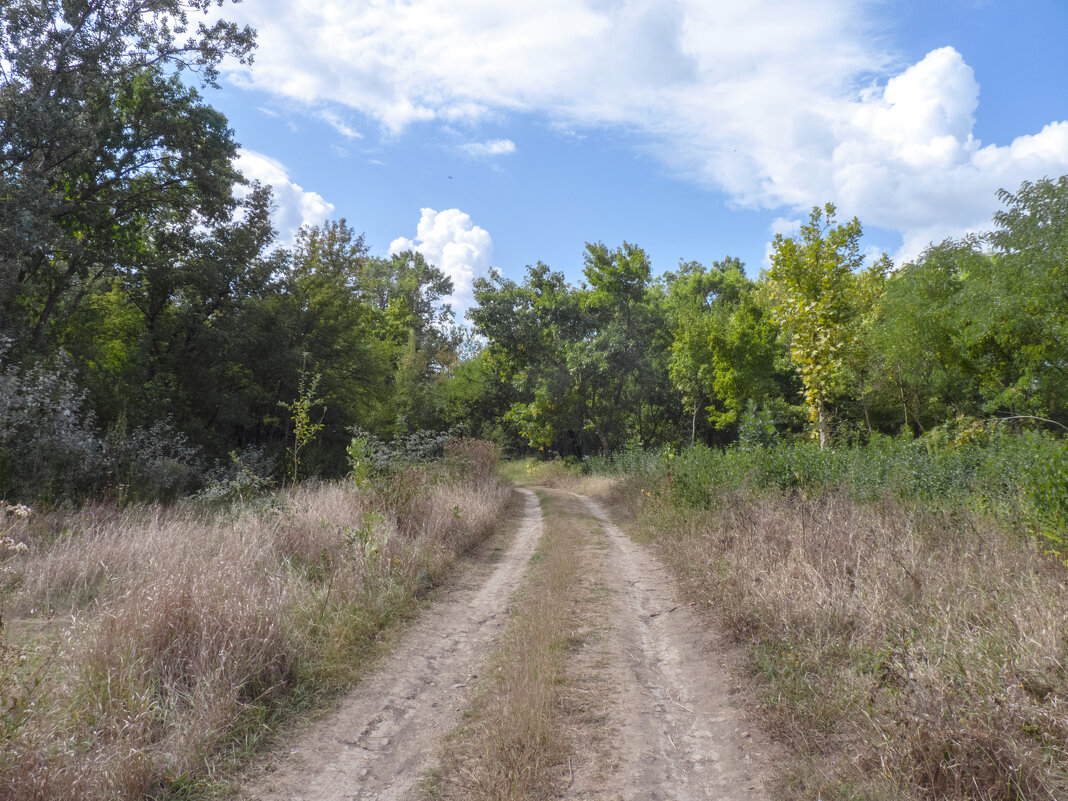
820, 299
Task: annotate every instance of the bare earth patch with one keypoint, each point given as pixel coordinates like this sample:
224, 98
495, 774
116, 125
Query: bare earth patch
674, 728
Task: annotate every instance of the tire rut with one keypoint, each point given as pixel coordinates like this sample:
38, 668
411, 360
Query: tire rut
385, 733
674, 731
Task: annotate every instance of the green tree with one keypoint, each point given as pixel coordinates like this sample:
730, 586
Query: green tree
818, 299
301, 411
587, 365
102, 144
726, 351
924, 371
1019, 331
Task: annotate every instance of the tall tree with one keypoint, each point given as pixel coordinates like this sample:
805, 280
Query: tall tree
1020, 329
818, 299
101, 143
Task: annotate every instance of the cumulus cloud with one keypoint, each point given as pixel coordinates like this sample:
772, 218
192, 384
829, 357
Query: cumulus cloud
449, 240
776, 102
907, 157
294, 205
489, 148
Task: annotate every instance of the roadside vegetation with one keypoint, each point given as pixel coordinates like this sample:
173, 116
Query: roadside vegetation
146, 648
902, 603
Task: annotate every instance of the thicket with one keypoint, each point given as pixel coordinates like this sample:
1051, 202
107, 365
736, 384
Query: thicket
825, 343
151, 326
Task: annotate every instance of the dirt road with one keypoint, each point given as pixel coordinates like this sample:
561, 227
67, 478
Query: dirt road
661, 720
382, 737
678, 730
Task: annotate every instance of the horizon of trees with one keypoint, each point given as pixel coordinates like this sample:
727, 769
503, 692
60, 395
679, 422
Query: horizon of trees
152, 329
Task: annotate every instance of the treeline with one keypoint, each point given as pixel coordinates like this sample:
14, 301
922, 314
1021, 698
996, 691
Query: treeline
824, 342
150, 325
155, 337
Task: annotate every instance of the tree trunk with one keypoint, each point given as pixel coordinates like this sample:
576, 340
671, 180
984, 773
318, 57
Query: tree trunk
821, 423
602, 437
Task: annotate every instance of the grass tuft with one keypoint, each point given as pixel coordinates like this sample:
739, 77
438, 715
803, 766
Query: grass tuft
905, 652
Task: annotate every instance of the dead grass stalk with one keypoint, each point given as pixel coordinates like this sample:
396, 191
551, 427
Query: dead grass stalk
905, 653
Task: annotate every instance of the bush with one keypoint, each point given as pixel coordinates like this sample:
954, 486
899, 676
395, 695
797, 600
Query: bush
51, 450
48, 448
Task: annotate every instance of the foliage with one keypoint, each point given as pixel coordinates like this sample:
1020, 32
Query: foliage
104, 149
51, 450
820, 299
587, 365
151, 326
248, 475
1017, 478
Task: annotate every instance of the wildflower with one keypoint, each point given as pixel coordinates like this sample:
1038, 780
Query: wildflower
18, 510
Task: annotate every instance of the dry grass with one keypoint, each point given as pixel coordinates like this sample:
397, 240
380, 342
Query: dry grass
143, 645
904, 653
513, 742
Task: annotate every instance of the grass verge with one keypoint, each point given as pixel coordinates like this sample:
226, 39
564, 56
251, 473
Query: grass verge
145, 650
905, 652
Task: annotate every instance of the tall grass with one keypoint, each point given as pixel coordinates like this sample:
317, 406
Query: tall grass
141, 646
905, 654
1018, 479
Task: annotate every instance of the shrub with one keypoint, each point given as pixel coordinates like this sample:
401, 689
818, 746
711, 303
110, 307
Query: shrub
50, 449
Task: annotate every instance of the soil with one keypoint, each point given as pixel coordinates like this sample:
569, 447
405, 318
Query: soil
653, 696
675, 723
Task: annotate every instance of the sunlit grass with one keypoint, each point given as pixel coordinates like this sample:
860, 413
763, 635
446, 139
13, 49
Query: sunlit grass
144, 648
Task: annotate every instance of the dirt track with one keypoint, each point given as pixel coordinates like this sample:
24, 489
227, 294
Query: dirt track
376, 745
680, 732
667, 725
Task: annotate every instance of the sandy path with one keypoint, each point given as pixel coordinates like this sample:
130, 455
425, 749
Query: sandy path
672, 727
387, 731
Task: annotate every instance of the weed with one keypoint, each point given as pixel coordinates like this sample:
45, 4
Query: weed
906, 650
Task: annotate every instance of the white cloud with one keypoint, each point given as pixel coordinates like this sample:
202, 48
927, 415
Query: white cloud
776, 102
489, 148
334, 120
449, 240
295, 205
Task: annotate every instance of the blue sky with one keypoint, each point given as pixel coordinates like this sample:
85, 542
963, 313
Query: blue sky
500, 133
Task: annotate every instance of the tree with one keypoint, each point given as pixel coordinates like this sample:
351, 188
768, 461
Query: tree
588, 365
726, 351
818, 298
102, 144
921, 359
1019, 331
